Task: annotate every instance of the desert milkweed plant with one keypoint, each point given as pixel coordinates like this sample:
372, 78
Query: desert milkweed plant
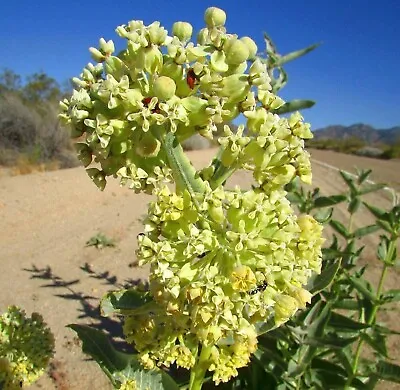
226, 264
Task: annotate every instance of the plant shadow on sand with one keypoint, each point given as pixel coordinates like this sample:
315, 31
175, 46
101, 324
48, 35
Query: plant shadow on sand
89, 312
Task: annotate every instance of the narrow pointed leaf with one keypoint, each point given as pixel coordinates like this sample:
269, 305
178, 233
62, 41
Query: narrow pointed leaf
363, 175
294, 105
361, 232
320, 364
340, 228
376, 211
349, 179
388, 371
331, 342
354, 205
376, 342
296, 54
326, 201
345, 324
324, 279
371, 188
347, 304
345, 358
362, 287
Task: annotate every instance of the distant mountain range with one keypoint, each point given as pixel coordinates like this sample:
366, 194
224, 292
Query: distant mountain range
360, 130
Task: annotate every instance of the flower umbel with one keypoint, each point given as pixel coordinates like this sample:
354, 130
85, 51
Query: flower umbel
26, 347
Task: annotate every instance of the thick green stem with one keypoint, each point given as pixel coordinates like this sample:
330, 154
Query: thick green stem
374, 311
198, 372
183, 171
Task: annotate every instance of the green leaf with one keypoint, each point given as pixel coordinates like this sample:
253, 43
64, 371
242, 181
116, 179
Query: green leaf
376, 341
390, 296
388, 371
383, 246
120, 366
354, 205
371, 188
331, 341
361, 232
295, 54
349, 179
293, 105
326, 201
363, 287
347, 304
345, 324
324, 279
122, 300
363, 175
345, 356
323, 216
340, 228
279, 82
320, 364
377, 212
384, 330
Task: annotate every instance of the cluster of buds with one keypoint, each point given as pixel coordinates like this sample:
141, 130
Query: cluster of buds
221, 260
26, 347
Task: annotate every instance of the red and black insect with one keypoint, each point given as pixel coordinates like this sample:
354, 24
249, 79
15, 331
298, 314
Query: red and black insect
146, 101
191, 78
259, 288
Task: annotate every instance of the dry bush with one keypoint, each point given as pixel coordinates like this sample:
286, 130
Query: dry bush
30, 134
197, 142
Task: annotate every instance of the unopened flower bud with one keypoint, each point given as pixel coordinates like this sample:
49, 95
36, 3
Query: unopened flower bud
236, 51
214, 17
182, 30
202, 36
97, 55
164, 88
106, 47
251, 46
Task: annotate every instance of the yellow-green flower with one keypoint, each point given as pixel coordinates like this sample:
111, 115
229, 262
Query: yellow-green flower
26, 347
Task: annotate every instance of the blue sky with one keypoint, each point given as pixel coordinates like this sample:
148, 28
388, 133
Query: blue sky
354, 76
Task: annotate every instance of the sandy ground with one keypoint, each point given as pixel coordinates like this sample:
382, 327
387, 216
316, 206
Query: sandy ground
45, 221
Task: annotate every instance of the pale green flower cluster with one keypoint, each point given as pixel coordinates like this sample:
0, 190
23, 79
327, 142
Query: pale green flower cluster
222, 261
124, 105
208, 263
26, 347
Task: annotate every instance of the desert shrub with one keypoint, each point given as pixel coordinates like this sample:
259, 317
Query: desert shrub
32, 133
197, 142
369, 151
391, 152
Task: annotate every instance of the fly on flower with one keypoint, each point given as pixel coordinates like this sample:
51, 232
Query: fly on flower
259, 288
